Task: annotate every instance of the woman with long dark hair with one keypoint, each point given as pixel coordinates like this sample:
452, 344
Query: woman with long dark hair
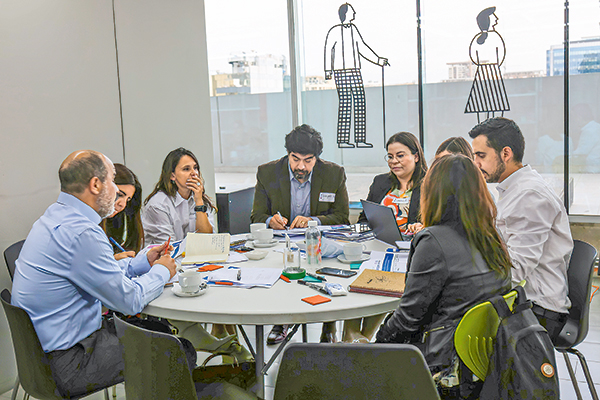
457, 261
125, 225
399, 189
178, 204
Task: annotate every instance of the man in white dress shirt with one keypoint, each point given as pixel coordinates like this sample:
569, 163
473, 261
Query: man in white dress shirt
531, 218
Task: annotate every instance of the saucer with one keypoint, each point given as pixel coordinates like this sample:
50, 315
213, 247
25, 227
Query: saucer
272, 243
176, 289
363, 257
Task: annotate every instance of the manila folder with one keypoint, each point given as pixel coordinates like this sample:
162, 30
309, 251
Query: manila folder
383, 283
206, 247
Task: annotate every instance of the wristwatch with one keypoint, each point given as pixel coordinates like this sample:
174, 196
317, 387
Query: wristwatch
201, 208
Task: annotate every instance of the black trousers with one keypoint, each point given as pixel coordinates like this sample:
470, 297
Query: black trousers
551, 320
97, 361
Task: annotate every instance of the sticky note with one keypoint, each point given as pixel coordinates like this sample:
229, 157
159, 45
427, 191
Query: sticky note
317, 299
355, 265
311, 279
209, 267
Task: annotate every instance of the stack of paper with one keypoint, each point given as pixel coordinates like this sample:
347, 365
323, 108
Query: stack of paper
249, 277
388, 261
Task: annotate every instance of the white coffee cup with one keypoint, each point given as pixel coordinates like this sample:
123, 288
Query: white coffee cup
256, 227
190, 281
353, 251
263, 236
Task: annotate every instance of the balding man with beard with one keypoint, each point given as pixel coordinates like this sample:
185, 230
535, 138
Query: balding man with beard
66, 271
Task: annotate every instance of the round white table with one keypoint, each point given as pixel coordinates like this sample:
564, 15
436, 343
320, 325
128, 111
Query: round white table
281, 304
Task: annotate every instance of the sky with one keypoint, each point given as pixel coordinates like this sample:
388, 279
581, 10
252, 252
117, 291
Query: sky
529, 28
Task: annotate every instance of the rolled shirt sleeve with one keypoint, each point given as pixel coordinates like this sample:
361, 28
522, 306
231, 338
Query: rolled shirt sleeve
97, 273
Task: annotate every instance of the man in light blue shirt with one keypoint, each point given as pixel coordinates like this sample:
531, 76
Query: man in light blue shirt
66, 271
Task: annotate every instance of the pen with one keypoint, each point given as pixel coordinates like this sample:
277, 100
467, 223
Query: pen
167, 248
117, 245
281, 219
319, 277
239, 275
313, 286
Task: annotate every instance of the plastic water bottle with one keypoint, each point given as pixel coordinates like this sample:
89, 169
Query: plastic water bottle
313, 245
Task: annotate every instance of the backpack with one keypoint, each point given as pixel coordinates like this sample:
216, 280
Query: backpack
522, 365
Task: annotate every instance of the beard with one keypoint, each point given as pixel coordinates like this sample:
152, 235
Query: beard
106, 205
300, 174
494, 177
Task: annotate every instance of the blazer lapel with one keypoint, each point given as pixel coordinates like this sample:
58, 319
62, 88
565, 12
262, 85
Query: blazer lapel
284, 185
315, 189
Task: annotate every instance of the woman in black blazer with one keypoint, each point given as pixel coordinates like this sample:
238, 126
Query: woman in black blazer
399, 189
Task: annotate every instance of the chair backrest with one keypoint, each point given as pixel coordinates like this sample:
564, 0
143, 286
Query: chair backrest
155, 365
33, 367
10, 256
579, 275
475, 334
353, 371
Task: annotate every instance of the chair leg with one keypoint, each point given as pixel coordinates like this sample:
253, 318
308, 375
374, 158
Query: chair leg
572, 375
15, 389
586, 371
106, 396
115, 392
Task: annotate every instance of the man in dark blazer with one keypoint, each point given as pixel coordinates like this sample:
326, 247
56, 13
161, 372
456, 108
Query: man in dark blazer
297, 188
301, 186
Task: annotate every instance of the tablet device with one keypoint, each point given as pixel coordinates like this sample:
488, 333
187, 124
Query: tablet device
383, 222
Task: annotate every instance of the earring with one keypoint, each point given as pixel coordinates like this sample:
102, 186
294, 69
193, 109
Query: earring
172, 181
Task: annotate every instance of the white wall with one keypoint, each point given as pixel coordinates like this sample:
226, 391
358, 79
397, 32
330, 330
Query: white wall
59, 93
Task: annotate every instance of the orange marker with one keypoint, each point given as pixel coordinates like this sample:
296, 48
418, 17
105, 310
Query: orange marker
223, 283
167, 248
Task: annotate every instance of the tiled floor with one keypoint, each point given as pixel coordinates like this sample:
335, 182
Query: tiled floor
590, 348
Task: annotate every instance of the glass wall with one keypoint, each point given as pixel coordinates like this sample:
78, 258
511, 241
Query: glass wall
584, 104
251, 98
248, 57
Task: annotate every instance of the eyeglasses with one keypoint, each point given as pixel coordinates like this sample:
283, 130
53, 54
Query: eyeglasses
391, 157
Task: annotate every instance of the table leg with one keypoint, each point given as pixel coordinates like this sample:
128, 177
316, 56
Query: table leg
304, 334
260, 361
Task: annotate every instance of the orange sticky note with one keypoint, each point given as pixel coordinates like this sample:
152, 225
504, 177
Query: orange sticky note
209, 267
317, 299
223, 283
285, 278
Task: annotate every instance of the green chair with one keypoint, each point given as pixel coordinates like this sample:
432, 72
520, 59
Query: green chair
476, 332
33, 367
156, 368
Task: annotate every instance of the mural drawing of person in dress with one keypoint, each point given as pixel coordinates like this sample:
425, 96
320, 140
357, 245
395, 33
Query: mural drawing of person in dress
344, 48
487, 51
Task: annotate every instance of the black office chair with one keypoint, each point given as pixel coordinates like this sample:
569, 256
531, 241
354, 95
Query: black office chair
353, 371
156, 368
35, 375
579, 274
10, 256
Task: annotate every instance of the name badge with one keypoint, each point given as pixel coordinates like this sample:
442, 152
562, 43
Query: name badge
402, 200
327, 197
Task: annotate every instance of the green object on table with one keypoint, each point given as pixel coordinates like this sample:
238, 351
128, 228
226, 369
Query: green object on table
294, 273
355, 265
311, 279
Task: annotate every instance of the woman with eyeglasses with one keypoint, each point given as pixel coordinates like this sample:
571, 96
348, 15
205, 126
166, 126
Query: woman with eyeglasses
456, 262
399, 189
125, 225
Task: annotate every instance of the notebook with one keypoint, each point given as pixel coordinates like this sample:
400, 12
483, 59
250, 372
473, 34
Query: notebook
383, 222
381, 283
206, 247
